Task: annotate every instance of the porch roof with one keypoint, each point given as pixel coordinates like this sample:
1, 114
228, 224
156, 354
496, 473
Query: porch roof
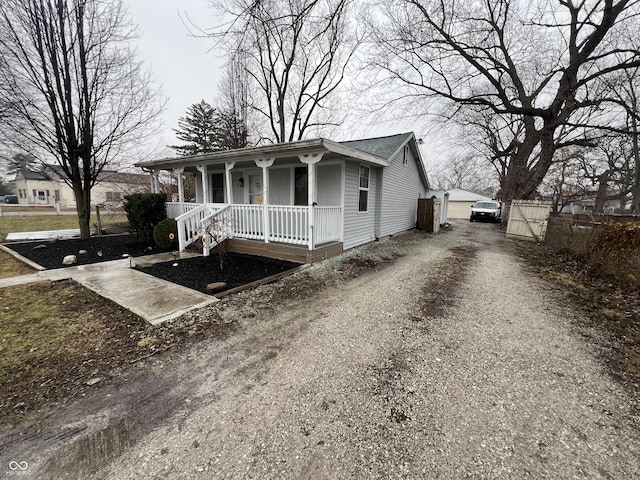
281, 151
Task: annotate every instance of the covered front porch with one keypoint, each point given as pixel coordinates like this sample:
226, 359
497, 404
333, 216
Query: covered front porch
300, 226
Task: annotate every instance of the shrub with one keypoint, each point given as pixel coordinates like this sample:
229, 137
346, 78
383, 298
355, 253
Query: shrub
144, 212
165, 235
615, 251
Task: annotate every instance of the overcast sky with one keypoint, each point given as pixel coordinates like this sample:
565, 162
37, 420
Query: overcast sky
184, 65
189, 70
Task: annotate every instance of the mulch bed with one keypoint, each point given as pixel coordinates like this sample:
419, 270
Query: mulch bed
237, 270
50, 253
195, 273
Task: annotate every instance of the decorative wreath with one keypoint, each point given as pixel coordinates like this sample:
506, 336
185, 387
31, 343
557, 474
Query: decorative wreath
171, 236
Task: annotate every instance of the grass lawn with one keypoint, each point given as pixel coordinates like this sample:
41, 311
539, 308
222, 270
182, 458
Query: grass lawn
10, 267
28, 223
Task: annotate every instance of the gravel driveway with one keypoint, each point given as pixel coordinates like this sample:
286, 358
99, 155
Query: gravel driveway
451, 362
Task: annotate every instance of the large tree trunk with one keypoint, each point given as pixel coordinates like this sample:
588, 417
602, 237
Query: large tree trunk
83, 207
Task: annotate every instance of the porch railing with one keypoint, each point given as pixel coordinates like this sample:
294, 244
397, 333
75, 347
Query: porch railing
189, 223
287, 224
175, 209
328, 225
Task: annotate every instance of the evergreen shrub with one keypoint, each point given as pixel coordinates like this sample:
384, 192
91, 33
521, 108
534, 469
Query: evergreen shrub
145, 211
165, 235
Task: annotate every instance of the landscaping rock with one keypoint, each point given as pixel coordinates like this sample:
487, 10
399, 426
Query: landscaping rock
216, 287
82, 252
69, 260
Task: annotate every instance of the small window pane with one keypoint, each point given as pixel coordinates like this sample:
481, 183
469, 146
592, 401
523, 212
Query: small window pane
364, 177
363, 202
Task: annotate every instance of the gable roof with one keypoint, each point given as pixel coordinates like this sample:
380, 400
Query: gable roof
107, 176
30, 175
460, 195
383, 147
376, 151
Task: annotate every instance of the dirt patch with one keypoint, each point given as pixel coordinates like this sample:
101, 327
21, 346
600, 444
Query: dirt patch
59, 340
609, 309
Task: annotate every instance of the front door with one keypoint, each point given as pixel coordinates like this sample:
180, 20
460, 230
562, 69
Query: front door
255, 189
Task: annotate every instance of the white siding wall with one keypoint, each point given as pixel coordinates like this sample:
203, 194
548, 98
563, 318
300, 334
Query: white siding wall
401, 188
279, 186
359, 228
329, 185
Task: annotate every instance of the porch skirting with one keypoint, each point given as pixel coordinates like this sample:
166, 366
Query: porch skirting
278, 251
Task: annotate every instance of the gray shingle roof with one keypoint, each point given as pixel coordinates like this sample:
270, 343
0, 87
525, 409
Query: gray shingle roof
383, 147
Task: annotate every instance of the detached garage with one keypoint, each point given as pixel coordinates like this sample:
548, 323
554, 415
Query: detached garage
460, 202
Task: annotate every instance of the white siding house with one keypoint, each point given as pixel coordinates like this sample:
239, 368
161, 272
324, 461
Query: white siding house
311, 194
48, 188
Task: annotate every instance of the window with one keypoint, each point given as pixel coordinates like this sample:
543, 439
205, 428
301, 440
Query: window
405, 155
300, 186
41, 196
363, 191
113, 196
217, 187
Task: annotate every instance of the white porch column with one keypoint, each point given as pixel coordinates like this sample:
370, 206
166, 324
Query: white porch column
179, 171
227, 170
205, 190
265, 163
155, 183
310, 161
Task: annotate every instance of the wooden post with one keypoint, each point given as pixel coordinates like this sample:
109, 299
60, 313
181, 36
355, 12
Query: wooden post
98, 220
264, 163
227, 170
178, 171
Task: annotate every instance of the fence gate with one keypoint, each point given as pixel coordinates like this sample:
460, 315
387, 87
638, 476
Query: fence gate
429, 214
528, 219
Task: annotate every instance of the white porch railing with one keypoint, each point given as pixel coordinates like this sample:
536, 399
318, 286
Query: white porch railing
189, 223
287, 224
328, 225
175, 209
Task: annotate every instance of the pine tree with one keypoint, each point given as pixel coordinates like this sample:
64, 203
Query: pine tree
199, 129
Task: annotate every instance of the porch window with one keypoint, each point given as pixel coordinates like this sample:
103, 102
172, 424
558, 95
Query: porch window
363, 192
217, 187
300, 186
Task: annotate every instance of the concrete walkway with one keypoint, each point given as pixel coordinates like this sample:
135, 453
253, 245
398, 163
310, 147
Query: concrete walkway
150, 298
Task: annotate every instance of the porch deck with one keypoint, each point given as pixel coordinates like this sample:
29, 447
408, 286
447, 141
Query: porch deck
279, 251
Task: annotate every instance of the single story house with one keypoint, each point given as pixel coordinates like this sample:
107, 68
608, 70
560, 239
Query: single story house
461, 201
48, 187
304, 200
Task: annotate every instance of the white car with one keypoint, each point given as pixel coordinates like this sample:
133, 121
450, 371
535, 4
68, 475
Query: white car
486, 211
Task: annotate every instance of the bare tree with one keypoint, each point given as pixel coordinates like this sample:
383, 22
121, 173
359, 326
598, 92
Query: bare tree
75, 89
535, 69
295, 53
233, 104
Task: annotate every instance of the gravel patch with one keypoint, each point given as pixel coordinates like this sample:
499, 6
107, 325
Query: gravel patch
448, 363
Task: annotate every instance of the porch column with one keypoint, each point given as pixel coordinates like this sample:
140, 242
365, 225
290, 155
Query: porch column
265, 163
310, 161
227, 170
155, 183
179, 171
205, 191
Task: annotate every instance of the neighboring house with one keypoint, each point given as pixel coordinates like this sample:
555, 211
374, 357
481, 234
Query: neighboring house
303, 200
586, 206
460, 202
47, 187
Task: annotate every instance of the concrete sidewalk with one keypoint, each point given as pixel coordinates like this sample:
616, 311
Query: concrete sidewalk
150, 298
